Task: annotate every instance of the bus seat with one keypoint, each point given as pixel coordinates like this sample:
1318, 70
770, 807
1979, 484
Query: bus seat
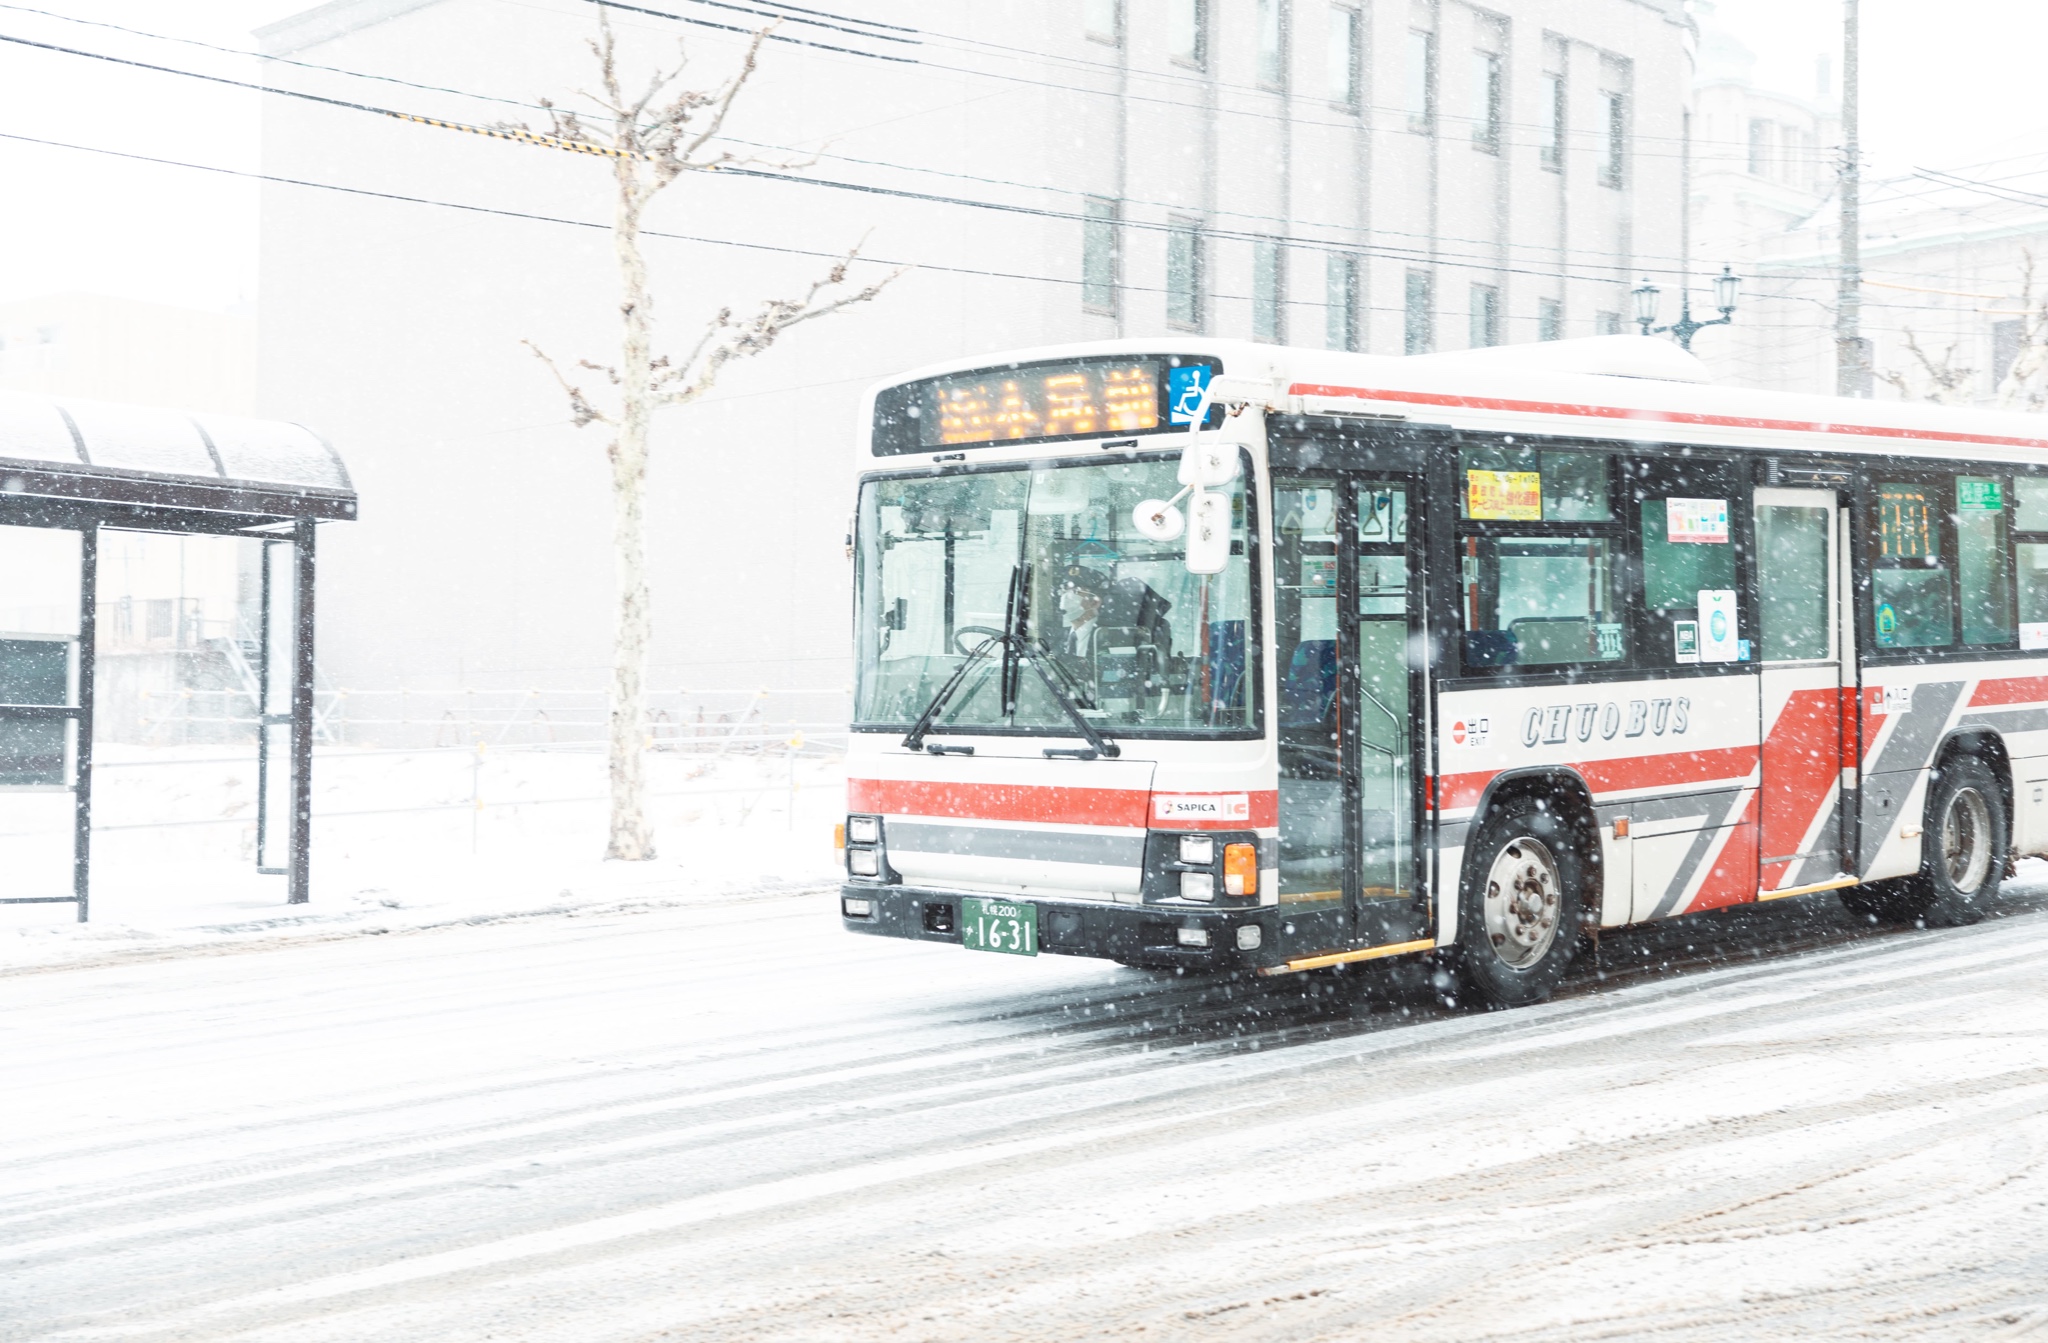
1310, 686
1489, 648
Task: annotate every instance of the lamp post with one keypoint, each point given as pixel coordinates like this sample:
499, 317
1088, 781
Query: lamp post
1726, 284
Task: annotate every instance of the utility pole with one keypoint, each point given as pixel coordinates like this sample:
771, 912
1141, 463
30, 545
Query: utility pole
1852, 352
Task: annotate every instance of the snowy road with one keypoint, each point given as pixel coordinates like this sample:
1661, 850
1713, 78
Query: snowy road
737, 1122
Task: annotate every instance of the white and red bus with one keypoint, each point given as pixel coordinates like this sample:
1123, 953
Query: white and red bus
1200, 653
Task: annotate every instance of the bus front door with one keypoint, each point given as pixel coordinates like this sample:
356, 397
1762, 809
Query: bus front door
1348, 612
1805, 684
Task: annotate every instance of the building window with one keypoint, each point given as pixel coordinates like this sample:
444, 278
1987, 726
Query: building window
1485, 318
1614, 163
1341, 302
1606, 323
1419, 315
1549, 319
1100, 257
1269, 289
1103, 20
1184, 275
1272, 19
1187, 32
1421, 88
1347, 55
1486, 96
1551, 130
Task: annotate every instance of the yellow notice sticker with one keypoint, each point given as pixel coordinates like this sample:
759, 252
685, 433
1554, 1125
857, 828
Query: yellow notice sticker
1504, 496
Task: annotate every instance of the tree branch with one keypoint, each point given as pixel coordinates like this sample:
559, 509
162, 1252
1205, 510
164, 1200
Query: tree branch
582, 412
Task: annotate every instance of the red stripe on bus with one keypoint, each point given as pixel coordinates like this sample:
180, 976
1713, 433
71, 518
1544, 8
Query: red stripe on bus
1802, 764
1657, 416
1732, 878
2010, 690
1127, 808
1730, 764
1124, 807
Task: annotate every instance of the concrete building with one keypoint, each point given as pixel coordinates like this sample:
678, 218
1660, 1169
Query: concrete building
1380, 174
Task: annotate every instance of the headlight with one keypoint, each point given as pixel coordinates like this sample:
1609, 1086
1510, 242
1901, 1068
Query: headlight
864, 862
1193, 937
1197, 886
864, 829
1197, 849
865, 909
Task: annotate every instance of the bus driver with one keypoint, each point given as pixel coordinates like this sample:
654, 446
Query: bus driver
1081, 594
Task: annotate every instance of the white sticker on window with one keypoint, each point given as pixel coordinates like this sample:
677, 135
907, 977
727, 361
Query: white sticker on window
1720, 641
2034, 635
1700, 521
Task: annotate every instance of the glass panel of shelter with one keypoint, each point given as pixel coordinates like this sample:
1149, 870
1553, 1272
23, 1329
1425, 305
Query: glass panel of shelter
41, 570
277, 623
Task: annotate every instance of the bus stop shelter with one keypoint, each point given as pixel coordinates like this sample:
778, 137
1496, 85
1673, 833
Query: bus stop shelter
80, 468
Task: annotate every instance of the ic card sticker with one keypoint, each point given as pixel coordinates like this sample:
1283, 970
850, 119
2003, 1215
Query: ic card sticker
1696, 521
1685, 640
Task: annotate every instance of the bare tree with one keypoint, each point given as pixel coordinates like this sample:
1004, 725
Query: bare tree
2025, 384
652, 140
1942, 381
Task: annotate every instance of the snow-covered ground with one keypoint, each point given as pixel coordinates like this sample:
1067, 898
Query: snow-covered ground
399, 841
729, 1120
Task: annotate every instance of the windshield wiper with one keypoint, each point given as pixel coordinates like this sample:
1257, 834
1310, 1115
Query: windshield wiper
1006, 640
1017, 650
1099, 743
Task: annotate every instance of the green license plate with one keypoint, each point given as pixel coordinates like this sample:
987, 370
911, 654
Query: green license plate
1008, 926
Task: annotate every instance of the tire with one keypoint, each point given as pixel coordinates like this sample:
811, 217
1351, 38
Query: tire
1519, 904
1964, 839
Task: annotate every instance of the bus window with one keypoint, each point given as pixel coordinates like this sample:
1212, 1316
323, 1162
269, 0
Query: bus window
1792, 579
1982, 568
1539, 601
2030, 515
1687, 550
1910, 583
1509, 484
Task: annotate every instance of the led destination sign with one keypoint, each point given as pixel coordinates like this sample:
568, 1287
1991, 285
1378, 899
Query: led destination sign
1074, 398
1042, 403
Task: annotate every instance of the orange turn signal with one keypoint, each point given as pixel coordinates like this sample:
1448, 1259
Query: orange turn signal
839, 835
1240, 869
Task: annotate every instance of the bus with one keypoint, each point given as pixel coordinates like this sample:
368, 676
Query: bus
1212, 655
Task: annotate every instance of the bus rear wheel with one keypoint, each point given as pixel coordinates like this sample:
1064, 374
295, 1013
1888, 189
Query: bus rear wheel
1518, 914
1962, 854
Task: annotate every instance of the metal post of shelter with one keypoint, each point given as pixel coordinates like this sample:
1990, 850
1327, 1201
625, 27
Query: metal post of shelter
300, 881
88, 647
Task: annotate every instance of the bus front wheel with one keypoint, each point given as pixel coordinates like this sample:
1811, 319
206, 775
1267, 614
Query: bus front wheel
1518, 913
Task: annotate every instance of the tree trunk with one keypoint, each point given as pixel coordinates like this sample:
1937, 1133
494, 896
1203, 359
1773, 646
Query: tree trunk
631, 839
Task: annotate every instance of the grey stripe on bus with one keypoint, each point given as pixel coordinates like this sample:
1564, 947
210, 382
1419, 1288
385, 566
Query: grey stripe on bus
1051, 846
2008, 720
1907, 752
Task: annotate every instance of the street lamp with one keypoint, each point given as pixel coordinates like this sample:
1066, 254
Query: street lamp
1726, 286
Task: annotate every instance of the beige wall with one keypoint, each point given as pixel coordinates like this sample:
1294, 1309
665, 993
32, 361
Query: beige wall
112, 349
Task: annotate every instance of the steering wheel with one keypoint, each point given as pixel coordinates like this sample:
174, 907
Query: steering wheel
983, 630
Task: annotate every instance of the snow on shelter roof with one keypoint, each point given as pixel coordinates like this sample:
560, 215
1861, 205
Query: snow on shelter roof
97, 451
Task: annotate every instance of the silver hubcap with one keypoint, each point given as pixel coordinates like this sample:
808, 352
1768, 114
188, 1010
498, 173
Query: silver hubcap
1522, 902
1966, 840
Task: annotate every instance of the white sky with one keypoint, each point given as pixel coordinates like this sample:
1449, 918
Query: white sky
1948, 85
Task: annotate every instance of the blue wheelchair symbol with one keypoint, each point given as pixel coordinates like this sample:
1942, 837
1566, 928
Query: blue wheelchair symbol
1184, 388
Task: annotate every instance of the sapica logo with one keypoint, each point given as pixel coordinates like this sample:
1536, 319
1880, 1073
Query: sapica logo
1558, 724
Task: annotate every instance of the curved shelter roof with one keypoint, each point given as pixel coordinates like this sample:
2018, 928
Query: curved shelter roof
95, 452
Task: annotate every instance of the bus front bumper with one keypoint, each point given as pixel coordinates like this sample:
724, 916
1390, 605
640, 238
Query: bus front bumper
1154, 935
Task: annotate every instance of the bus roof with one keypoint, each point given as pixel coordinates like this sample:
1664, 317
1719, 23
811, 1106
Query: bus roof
1625, 388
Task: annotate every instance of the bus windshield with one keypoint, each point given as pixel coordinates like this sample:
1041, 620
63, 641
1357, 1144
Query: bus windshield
1141, 645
